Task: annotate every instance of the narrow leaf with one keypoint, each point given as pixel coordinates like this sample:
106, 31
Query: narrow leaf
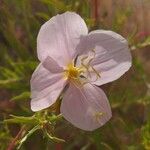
22, 96
28, 135
55, 139
22, 120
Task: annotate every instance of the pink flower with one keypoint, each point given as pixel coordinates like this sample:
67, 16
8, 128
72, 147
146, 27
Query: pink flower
74, 63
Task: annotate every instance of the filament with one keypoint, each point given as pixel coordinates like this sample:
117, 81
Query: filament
88, 65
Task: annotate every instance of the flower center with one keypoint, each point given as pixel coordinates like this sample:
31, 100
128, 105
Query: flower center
73, 72
83, 74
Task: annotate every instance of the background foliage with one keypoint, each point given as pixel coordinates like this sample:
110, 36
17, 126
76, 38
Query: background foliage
129, 128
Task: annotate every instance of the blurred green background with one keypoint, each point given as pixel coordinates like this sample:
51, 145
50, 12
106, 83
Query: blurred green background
129, 128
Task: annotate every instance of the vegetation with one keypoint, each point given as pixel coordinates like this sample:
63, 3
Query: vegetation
129, 128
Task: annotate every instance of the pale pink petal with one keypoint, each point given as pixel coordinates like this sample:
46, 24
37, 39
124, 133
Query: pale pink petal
86, 108
46, 86
51, 65
112, 58
59, 37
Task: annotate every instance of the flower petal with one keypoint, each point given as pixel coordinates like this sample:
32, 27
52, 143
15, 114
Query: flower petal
51, 65
112, 56
46, 86
87, 108
59, 37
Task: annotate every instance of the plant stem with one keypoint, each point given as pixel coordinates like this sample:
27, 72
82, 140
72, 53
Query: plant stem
13, 143
95, 10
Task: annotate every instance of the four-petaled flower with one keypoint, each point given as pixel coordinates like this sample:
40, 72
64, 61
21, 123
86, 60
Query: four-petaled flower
75, 63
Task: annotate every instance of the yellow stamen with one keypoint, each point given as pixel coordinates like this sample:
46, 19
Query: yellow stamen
76, 74
88, 66
98, 115
73, 72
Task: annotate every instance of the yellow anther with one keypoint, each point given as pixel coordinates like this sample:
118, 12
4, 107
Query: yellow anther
73, 72
76, 74
97, 116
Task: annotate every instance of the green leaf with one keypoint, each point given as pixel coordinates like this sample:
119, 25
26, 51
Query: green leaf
22, 120
54, 118
143, 44
22, 96
146, 136
43, 15
8, 81
59, 5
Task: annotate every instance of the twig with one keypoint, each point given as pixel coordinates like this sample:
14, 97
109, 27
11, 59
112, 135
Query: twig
95, 10
96, 14
13, 143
